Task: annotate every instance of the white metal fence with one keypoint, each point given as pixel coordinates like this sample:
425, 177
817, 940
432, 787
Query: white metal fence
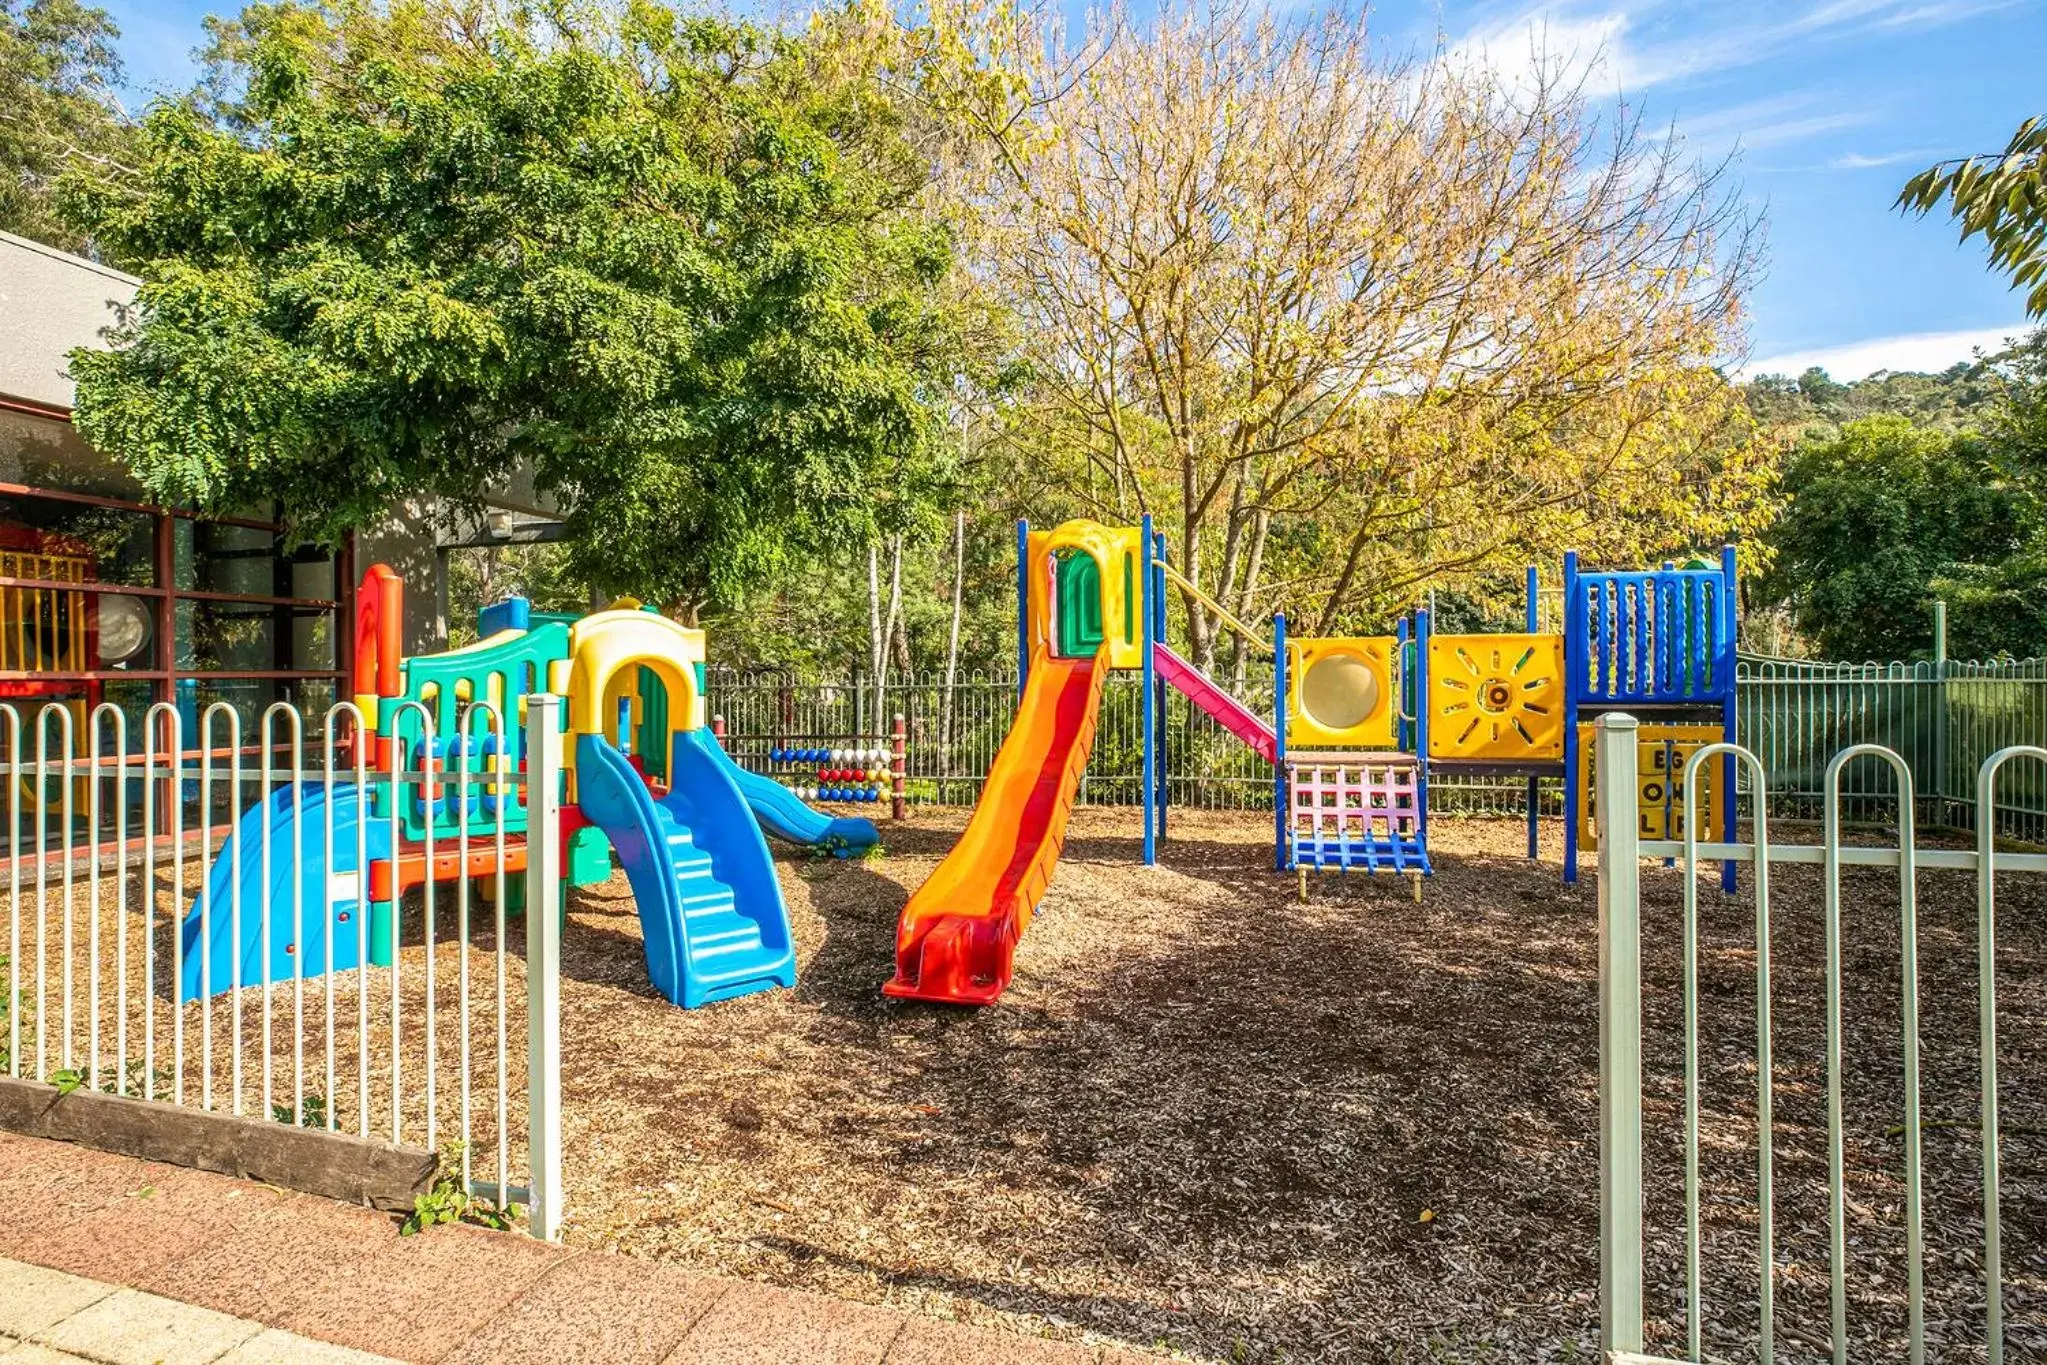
427, 1016
1669, 1293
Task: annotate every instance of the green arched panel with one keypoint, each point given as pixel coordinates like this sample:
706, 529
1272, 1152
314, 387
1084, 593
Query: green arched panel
1080, 605
652, 741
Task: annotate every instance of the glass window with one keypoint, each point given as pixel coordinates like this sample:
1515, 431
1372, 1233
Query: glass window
101, 544
48, 452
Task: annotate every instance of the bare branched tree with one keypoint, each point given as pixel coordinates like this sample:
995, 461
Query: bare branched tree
1349, 325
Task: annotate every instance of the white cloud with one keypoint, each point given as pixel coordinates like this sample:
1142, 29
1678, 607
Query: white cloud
1526, 46
1792, 130
1629, 50
1941, 13
1859, 161
1927, 352
1770, 121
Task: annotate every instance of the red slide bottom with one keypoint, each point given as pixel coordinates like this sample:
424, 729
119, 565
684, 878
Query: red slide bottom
956, 940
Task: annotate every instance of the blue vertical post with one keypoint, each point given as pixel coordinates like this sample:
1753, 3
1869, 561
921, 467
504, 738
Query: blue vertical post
1727, 640
1280, 840
1422, 628
1533, 618
1575, 666
1156, 603
1023, 605
1150, 672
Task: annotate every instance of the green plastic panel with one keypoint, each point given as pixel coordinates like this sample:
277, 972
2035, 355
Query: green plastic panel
650, 743
1080, 605
519, 667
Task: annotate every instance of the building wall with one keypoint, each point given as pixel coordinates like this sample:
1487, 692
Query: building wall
233, 613
405, 541
51, 302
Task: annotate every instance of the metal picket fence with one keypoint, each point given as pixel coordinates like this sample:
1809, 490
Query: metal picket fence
114, 826
1944, 719
1876, 1165
953, 733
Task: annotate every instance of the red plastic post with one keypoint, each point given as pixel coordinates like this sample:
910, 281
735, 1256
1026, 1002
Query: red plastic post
379, 631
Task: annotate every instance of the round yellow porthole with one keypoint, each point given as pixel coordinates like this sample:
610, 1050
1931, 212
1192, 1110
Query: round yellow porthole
1340, 692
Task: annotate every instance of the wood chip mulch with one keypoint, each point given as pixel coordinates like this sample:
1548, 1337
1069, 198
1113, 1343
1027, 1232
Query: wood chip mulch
1211, 1119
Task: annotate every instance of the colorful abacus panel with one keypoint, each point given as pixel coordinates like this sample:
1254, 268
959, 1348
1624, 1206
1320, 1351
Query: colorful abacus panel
823, 773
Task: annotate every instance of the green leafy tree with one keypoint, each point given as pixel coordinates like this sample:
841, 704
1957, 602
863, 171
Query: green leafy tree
58, 74
2019, 420
2003, 608
1884, 517
480, 576
1963, 397
2003, 197
677, 265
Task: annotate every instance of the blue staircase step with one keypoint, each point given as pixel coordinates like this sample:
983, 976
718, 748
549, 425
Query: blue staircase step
721, 931
715, 924
700, 891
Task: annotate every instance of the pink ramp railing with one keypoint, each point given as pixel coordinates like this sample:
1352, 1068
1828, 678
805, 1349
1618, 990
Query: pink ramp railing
1228, 712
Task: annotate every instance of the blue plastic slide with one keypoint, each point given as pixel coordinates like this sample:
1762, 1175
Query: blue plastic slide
783, 814
329, 899
710, 907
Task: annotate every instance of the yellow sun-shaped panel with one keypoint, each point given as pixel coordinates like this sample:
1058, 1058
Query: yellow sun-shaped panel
1496, 698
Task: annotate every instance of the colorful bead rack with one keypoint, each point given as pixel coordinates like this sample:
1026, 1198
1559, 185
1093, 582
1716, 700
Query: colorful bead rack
856, 775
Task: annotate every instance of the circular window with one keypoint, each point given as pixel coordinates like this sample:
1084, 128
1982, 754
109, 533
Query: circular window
1339, 691
124, 628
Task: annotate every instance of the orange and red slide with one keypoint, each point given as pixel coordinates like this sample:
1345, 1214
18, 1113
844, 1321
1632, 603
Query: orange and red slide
956, 940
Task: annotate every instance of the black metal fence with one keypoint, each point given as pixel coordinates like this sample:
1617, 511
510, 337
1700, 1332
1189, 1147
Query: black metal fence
1944, 718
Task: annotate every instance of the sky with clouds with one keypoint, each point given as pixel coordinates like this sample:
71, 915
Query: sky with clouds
1827, 105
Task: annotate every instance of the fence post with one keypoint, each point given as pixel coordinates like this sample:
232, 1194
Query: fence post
718, 728
1620, 1035
898, 766
543, 964
1940, 715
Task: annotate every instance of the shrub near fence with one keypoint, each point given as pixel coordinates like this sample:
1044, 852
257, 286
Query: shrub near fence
1943, 718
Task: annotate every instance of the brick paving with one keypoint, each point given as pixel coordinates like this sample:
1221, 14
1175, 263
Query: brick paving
189, 1268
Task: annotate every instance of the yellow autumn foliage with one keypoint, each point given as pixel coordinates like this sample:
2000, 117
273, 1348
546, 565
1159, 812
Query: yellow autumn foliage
1350, 326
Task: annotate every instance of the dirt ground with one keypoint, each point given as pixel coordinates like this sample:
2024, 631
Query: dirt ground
1211, 1119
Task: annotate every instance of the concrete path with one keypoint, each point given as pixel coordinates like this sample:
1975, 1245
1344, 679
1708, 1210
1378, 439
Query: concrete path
50, 1318
163, 1264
